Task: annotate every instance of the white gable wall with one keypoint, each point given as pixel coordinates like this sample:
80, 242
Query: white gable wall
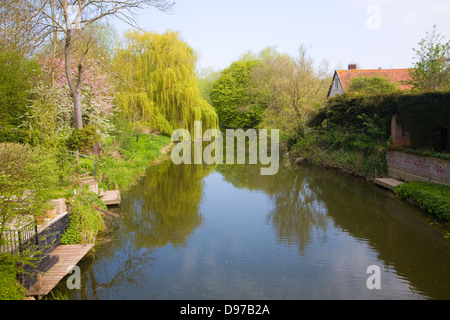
336, 87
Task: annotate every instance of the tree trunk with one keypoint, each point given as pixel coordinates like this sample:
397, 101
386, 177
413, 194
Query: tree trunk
74, 88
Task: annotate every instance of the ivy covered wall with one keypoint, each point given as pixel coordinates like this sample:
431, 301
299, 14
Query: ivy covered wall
425, 116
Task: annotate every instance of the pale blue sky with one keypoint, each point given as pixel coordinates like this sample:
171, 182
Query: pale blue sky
335, 30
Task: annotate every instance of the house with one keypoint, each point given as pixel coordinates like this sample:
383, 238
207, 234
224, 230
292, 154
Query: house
342, 78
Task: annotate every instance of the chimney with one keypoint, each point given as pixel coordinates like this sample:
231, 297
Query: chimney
352, 67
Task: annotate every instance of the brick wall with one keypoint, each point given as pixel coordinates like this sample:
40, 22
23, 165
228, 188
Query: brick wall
412, 167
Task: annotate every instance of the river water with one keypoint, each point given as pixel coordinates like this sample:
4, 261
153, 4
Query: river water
226, 232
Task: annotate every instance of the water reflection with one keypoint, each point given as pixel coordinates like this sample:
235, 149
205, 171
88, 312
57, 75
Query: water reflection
310, 201
297, 208
190, 234
164, 208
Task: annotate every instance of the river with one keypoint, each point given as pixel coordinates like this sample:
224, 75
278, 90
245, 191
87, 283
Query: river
226, 232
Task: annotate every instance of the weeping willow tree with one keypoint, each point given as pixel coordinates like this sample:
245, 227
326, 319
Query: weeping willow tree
158, 86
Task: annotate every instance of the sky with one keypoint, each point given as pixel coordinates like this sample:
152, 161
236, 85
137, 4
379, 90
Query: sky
371, 33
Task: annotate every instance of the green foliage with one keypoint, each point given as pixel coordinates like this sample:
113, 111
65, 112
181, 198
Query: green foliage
432, 69
84, 219
48, 110
28, 176
128, 159
424, 115
14, 135
158, 86
231, 99
10, 288
358, 149
16, 72
372, 85
431, 197
205, 81
345, 110
83, 139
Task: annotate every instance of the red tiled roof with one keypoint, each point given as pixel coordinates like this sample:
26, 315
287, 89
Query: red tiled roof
395, 75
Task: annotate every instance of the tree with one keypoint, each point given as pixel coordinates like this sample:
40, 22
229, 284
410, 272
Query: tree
27, 178
432, 69
231, 98
16, 72
270, 90
372, 85
52, 103
72, 18
291, 88
157, 83
19, 27
206, 79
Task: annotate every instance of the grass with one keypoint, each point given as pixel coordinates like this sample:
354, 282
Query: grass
126, 160
347, 152
10, 288
431, 197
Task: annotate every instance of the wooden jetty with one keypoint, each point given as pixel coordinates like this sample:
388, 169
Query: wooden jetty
69, 256
388, 183
109, 197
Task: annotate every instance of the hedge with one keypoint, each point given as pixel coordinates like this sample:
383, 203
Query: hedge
13, 135
424, 115
431, 197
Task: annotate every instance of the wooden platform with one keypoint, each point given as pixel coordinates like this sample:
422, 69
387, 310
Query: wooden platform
389, 183
111, 197
69, 256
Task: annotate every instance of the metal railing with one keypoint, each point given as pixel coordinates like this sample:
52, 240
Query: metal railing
77, 154
17, 241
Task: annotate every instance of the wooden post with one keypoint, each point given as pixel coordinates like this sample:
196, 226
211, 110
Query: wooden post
78, 164
84, 240
36, 234
19, 233
39, 284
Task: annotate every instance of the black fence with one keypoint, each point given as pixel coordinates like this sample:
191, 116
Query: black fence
18, 241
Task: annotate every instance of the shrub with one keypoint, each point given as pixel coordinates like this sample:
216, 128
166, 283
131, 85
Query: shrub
10, 288
16, 72
424, 115
28, 176
431, 197
83, 139
84, 219
372, 85
13, 135
359, 149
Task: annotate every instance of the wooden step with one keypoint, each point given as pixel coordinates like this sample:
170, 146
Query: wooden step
111, 197
388, 183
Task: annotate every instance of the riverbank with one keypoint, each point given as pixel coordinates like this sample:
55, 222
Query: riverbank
122, 163
126, 160
430, 197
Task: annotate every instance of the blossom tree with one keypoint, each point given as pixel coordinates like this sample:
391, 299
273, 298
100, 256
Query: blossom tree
52, 106
71, 18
